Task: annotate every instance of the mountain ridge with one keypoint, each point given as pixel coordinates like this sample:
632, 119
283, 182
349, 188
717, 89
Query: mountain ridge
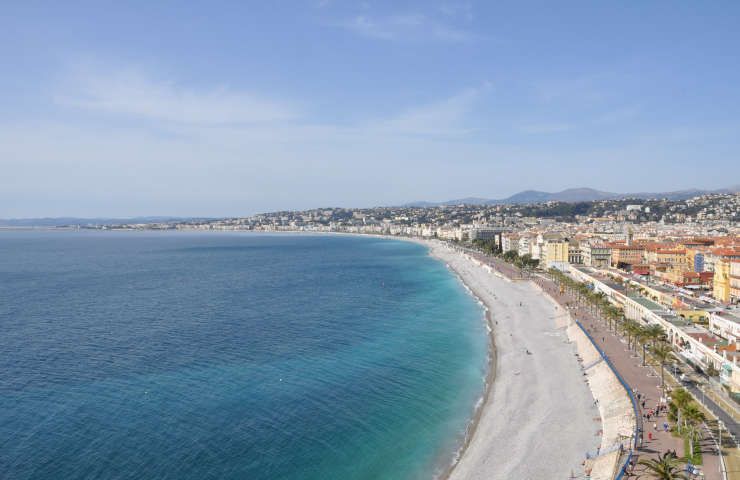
570, 195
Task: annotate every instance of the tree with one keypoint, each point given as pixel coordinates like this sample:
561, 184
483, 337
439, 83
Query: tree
511, 256
680, 399
630, 327
663, 353
654, 332
693, 417
643, 337
664, 467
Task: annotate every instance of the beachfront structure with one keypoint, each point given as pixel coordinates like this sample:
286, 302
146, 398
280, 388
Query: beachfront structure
721, 281
697, 345
735, 280
575, 255
525, 243
510, 242
484, 233
596, 255
626, 255
725, 325
554, 250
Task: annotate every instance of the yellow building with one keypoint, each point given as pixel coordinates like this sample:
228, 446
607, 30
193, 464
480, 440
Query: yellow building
721, 280
554, 251
734, 280
626, 254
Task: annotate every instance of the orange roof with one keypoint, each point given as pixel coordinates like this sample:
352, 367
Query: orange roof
727, 252
727, 241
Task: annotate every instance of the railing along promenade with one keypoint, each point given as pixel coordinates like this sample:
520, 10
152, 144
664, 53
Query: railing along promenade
621, 472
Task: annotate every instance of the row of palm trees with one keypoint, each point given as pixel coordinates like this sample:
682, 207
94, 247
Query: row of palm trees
648, 337
682, 409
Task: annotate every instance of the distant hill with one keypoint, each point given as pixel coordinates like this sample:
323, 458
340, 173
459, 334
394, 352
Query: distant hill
575, 195
74, 221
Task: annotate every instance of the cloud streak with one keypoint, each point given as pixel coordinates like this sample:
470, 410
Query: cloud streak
442, 118
405, 27
131, 93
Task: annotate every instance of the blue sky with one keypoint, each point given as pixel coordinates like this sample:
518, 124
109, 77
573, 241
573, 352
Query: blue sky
231, 108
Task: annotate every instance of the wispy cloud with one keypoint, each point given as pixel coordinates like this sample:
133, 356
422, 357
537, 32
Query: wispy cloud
456, 9
406, 27
545, 128
445, 117
130, 92
172, 110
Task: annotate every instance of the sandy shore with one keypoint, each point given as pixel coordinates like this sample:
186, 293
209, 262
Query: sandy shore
538, 419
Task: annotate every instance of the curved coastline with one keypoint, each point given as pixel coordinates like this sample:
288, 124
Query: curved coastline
488, 385
484, 452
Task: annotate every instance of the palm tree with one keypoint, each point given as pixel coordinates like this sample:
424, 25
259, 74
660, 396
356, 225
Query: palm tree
614, 315
663, 353
681, 399
665, 467
630, 328
654, 332
693, 418
643, 337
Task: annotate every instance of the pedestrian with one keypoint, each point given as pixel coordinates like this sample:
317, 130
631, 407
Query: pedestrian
655, 426
650, 436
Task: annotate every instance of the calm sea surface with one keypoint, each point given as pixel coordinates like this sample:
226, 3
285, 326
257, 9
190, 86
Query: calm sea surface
245, 356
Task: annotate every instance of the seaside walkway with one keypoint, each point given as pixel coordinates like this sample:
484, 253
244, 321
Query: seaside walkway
641, 379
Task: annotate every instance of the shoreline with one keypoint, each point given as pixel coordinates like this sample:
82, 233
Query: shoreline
471, 460
488, 387
488, 383
491, 363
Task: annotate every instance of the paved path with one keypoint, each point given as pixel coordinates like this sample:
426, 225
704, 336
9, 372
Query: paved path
642, 379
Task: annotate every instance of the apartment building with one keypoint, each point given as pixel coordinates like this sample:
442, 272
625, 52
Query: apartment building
596, 255
623, 255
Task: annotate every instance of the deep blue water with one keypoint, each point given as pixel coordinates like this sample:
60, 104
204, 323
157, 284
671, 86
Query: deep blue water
198, 356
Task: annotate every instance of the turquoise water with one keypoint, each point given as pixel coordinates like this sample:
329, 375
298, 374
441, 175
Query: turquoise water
195, 356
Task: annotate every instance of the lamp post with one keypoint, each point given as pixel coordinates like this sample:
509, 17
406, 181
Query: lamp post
720, 425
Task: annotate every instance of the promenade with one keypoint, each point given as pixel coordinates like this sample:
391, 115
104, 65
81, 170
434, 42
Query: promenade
641, 379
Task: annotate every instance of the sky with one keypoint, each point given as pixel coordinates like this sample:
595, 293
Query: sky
121, 109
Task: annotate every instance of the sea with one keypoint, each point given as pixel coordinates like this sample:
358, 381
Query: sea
232, 355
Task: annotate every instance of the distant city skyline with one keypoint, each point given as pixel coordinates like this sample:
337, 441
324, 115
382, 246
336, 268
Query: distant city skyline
224, 109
